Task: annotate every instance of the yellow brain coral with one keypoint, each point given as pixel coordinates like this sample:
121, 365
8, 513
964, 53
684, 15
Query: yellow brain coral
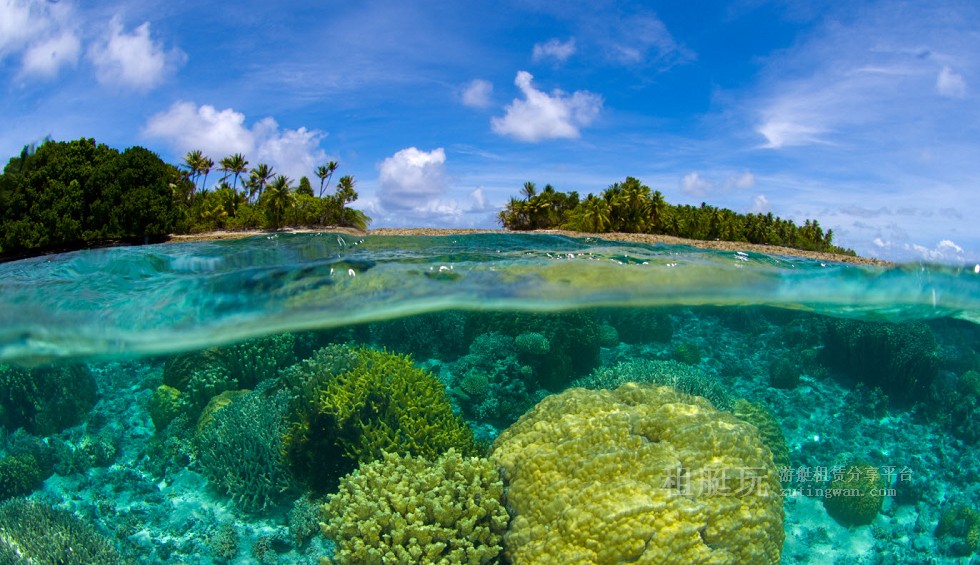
639, 474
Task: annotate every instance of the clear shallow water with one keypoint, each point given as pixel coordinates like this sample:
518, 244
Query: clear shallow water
158, 299
852, 363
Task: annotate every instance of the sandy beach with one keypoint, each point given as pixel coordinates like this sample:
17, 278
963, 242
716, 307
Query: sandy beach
632, 237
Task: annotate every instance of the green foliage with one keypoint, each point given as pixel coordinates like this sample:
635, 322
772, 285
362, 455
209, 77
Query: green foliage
45, 400
413, 510
20, 475
631, 207
31, 532
855, 495
353, 404
901, 359
240, 449
67, 194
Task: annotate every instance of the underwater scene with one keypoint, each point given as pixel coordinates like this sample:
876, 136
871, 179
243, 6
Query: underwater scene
485, 398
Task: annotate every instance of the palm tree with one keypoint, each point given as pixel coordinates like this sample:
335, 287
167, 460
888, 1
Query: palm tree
205, 167
529, 190
258, 179
234, 165
278, 198
596, 214
345, 190
193, 161
324, 172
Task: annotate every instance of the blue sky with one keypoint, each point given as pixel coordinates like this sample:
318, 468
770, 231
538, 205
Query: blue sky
863, 115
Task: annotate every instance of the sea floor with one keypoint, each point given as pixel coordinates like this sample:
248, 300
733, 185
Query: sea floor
166, 513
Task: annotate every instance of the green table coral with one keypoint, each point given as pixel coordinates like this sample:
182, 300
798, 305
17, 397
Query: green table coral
411, 510
640, 474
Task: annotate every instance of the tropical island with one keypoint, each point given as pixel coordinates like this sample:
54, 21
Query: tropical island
61, 196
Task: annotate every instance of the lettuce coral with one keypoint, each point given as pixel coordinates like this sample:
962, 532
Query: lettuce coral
638, 474
412, 510
352, 404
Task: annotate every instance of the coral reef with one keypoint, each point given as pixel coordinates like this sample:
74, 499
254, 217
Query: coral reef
900, 358
490, 382
413, 510
440, 335
573, 339
20, 475
31, 532
45, 400
769, 431
164, 406
659, 476
255, 360
350, 405
958, 530
855, 494
640, 325
532, 343
240, 445
681, 376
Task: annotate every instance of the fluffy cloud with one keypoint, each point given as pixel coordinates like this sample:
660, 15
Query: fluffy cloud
542, 116
553, 49
42, 32
694, 185
744, 180
950, 84
413, 179
133, 60
760, 204
477, 94
46, 57
218, 133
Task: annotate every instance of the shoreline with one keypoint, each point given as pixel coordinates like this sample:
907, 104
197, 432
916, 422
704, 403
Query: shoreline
628, 237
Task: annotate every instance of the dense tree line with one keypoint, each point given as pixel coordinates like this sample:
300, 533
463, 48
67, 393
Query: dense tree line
631, 207
67, 195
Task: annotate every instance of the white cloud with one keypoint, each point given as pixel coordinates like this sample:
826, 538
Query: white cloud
554, 49
413, 180
542, 116
744, 180
133, 60
760, 204
477, 94
43, 33
19, 21
694, 185
950, 84
946, 251
46, 58
219, 133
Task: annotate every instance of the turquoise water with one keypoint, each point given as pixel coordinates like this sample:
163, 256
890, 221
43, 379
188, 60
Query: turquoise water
111, 358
